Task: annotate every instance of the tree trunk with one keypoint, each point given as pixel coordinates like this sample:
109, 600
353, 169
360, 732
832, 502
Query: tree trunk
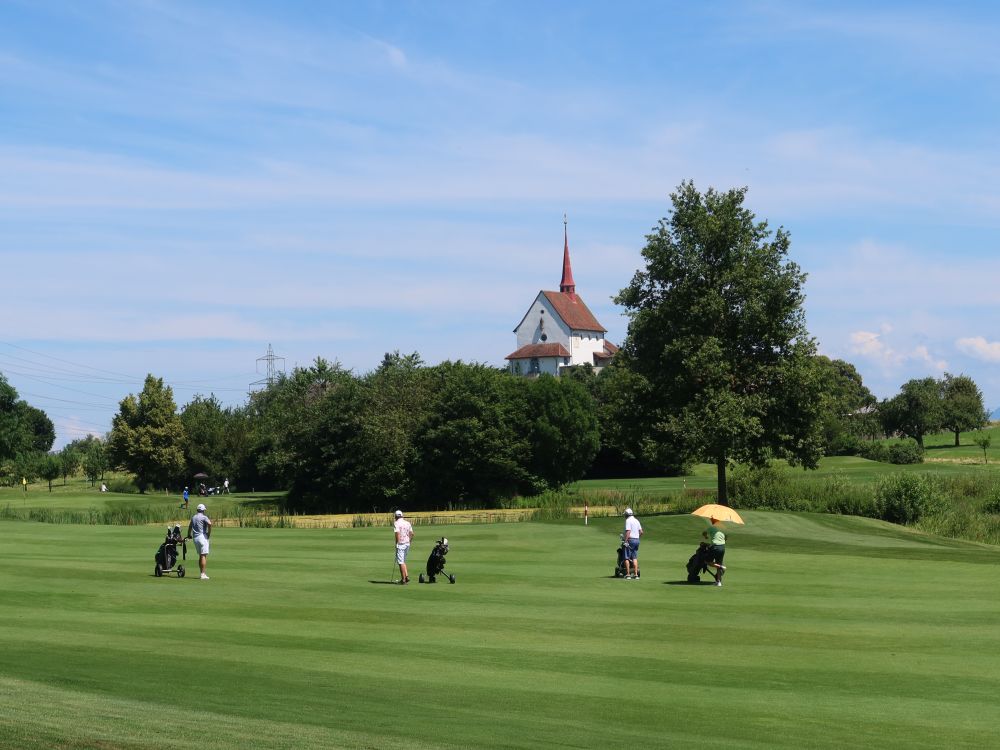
720, 465
920, 440
956, 439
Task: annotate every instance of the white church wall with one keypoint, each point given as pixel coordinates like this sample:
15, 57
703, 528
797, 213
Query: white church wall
584, 345
555, 331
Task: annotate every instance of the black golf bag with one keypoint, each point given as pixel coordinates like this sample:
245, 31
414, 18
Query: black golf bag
698, 563
435, 563
620, 568
166, 555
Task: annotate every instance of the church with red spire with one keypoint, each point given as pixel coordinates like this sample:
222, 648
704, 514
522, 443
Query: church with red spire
559, 330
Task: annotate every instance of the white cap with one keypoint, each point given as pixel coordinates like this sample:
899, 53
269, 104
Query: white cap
444, 541
201, 506
628, 511
399, 514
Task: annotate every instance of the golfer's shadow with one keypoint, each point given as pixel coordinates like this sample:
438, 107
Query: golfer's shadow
685, 582
386, 583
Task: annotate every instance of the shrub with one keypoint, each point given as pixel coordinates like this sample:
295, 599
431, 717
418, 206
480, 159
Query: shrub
837, 494
126, 486
992, 504
844, 444
764, 487
906, 498
874, 451
906, 452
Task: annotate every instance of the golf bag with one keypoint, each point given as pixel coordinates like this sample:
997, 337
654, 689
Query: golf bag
621, 569
166, 555
435, 563
698, 563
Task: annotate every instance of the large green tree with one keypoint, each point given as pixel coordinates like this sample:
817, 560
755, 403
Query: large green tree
37, 431
147, 436
560, 424
205, 427
717, 329
23, 428
10, 433
915, 411
962, 403
848, 406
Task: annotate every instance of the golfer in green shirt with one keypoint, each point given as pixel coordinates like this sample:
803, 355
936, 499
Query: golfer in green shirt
716, 538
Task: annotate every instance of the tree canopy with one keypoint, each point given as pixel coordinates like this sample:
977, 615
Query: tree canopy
962, 404
916, 411
717, 329
147, 436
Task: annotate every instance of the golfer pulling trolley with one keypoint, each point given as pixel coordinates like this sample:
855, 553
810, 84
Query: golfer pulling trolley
633, 530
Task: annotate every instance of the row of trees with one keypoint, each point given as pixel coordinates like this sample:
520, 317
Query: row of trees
402, 434
927, 405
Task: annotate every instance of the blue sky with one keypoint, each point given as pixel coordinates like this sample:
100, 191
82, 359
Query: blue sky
184, 183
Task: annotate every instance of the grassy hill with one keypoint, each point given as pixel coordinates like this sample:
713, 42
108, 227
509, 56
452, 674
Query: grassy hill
830, 632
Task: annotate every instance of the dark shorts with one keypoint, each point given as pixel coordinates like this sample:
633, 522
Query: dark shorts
716, 552
632, 549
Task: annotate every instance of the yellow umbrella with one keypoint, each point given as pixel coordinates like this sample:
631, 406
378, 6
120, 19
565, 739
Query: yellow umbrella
718, 512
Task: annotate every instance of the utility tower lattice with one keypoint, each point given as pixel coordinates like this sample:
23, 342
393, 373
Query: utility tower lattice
271, 371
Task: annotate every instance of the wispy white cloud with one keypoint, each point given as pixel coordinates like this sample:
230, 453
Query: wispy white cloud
874, 347
980, 348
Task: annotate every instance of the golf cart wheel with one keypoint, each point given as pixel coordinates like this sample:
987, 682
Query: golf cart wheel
451, 579
180, 571
421, 578
157, 571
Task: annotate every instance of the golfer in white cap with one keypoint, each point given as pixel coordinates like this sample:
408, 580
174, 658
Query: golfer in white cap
404, 534
200, 529
633, 530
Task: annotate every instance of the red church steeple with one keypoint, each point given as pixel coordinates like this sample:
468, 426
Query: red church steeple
567, 285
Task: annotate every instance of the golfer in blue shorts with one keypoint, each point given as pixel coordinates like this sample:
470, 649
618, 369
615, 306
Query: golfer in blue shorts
633, 530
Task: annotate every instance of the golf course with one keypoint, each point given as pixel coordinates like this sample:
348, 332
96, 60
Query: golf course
830, 631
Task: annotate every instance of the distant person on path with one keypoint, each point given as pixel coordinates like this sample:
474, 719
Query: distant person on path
185, 497
404, 535
225, 487
716, 538
104, 487
200, 529
633, 530
24, 483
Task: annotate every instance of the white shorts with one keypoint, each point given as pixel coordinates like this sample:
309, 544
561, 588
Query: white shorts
401, 550
201, 544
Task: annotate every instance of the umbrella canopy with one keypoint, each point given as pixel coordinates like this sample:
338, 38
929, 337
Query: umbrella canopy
201, 475
718, 512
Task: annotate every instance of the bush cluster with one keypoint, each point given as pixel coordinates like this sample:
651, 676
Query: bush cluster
906, 498
905, 452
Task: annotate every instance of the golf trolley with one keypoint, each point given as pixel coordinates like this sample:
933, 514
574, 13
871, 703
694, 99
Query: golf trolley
166, 555
698, 563
435, 563
621, 569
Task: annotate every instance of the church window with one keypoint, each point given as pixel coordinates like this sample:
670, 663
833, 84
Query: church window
535, 366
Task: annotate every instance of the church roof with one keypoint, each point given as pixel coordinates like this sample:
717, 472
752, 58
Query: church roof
573, 311
609, 351
539, 350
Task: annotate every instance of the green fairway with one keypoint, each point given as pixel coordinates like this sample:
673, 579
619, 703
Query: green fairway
830, 632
